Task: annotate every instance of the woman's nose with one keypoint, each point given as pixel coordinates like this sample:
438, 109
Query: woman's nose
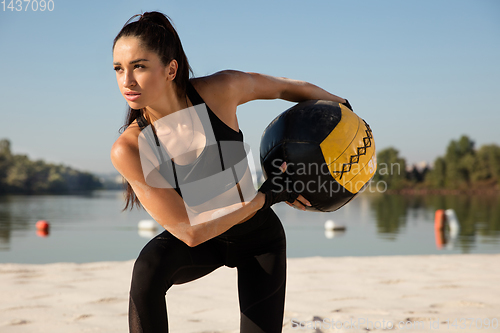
128, 80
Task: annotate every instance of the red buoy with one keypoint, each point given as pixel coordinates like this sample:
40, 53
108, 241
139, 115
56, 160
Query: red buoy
42, 225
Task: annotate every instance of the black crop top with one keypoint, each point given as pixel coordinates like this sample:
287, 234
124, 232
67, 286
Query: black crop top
220, 165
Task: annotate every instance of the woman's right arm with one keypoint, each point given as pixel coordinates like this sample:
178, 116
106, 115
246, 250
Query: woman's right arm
166, 206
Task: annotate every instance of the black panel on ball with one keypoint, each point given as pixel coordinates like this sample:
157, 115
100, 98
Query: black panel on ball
309, 121
310, 177
295, 137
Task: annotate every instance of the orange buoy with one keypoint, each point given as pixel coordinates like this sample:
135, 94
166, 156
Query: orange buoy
439, 220
42, 225
439, 224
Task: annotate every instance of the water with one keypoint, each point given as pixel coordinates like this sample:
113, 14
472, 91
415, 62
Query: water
85, 228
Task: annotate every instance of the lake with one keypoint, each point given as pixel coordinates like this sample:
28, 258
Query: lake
91, 227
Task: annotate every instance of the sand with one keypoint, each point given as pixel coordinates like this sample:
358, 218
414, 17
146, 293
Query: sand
412, 293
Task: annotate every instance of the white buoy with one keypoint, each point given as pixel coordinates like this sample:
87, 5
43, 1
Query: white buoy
147, 225
331, 225
453, 224
147, 228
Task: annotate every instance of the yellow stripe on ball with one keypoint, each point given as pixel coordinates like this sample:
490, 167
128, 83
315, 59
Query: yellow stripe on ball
351, 159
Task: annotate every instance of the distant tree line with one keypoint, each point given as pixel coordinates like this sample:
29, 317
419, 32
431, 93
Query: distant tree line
461, 168
20, 175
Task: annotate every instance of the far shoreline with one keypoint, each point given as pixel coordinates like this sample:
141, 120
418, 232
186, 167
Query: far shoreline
442, 191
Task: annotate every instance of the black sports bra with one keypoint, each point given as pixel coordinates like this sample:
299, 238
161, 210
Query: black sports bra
218, 159
221, 130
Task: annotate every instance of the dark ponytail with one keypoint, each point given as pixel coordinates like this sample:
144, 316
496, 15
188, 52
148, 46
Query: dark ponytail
157, 34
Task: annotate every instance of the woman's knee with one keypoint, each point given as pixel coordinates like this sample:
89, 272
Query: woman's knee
153, 268
147, 269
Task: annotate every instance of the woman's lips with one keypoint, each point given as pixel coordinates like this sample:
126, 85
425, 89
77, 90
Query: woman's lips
132, 96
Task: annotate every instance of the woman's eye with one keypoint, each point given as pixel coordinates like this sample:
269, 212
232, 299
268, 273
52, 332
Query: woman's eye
135, 66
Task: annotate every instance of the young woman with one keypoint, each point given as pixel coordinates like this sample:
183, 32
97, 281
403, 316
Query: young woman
152, 72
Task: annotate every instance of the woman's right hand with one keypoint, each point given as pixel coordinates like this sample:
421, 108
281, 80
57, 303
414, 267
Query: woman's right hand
277, 189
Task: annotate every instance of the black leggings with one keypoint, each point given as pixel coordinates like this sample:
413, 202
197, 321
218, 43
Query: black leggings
257, 248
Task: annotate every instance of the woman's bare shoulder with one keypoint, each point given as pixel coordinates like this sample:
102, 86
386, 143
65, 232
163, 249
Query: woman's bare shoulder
222, 89
226, 81
126, 145
225, 77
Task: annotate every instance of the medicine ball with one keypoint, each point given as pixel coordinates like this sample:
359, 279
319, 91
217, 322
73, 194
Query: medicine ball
329, 151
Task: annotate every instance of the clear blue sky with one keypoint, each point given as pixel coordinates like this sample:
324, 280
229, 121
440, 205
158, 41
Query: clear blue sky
419, 72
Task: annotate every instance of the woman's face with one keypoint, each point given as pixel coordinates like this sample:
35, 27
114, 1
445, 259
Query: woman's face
141, 76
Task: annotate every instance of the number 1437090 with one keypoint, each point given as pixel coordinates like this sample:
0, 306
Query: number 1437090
28, 5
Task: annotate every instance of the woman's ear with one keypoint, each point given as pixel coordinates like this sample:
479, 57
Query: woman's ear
171, 70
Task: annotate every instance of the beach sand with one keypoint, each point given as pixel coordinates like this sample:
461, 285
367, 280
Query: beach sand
421, 293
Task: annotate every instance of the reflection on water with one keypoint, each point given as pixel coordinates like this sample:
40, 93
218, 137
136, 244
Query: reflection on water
92, 227
5, 224
19, 213
395, 225
390, 213
477, 215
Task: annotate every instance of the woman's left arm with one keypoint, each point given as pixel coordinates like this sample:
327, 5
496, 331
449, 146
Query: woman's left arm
251, 86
